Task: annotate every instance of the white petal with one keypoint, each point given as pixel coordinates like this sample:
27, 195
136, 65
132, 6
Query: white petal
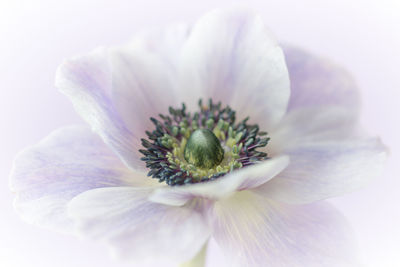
142, 86
87, 81
139, 230
246, 178
231, 57
166, 42
318, 82
252, 230
312, 124
68, 162
117, 91
325, 169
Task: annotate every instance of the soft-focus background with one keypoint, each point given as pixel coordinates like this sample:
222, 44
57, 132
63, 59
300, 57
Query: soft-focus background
35, 36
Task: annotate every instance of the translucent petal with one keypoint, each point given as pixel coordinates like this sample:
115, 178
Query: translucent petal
326, 169
316, 82
68, 162
252, 230
231, 57
138, 230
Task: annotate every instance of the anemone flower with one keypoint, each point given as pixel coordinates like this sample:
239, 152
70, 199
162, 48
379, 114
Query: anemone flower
242, 139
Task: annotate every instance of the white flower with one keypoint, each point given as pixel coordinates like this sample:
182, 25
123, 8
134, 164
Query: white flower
263, 214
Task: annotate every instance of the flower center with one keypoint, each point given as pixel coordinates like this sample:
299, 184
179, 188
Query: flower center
190, 148
203, 149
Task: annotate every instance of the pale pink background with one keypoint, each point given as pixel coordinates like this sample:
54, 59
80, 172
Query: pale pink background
35, 36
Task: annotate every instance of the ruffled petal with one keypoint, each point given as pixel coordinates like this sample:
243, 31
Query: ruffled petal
68, 162
246, 178
139, 230
252, 230
326, 169
231, 57
318, 82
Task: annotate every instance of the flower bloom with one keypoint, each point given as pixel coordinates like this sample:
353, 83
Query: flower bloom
219, 178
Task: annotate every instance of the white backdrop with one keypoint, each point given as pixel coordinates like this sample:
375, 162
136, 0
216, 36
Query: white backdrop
35, 36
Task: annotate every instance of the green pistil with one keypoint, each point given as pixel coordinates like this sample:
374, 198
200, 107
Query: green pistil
203, 149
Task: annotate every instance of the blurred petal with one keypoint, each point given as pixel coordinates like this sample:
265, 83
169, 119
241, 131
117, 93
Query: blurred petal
325, 169
231, 57
309, 125
246, 178
137, 229
68, 162
318, 82
198, 260
252, 230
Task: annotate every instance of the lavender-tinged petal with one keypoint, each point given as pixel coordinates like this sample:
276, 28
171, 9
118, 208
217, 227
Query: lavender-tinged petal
138, 230
318, 82
252, 231
231, 57
312, 124
68, 162
87, 81
322, 170
143, 86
